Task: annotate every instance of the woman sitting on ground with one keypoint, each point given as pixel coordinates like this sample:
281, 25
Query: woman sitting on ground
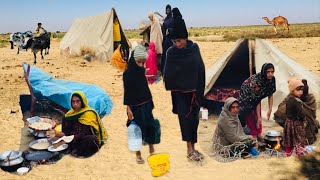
84, 123
229, 130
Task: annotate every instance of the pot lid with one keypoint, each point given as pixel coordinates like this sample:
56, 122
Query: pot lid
273, 133
10, 155
39, 155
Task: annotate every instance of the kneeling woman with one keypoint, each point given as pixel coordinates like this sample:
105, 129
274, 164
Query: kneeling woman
229, 130
84, 123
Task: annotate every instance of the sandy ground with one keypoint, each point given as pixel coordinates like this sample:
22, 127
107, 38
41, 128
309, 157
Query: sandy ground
114, 160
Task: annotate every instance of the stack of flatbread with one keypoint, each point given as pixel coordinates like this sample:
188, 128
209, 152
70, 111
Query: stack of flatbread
43, 124
40, 126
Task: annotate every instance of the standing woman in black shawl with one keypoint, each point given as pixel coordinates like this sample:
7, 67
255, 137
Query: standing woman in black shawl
167, 41
137, 97
184, 76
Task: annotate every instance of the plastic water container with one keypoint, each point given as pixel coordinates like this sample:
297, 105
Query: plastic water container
204, 113
134, 137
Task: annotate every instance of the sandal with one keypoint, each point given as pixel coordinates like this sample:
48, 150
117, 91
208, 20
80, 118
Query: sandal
194, 157
140, 160
200, 154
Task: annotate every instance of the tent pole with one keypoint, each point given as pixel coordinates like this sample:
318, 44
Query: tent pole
33, 98
250, 56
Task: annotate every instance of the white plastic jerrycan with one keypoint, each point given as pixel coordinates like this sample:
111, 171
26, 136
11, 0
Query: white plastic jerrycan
134, 137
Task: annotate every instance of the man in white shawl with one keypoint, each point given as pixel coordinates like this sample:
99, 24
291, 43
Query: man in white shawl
156, 33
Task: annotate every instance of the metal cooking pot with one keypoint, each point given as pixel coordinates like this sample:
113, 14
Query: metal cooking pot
271, 138
273, 133
11, 160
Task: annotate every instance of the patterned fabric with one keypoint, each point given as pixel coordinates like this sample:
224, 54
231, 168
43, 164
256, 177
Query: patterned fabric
309, 106
221, 94
254, 89
294, 133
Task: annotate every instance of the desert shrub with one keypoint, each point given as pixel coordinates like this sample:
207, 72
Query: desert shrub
87, 50
133, 34
58, 34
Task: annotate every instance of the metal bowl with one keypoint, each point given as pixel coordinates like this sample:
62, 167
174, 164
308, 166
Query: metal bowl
39, 134
45, 140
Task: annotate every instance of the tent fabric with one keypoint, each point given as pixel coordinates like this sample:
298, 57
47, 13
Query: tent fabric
94, 33
59, 91
213, 73
264, 51
285, 68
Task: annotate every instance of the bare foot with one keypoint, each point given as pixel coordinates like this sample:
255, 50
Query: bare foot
151, 149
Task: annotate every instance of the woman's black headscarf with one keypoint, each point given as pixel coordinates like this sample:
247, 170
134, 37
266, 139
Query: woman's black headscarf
176, 13
136, 90
264, 69
179, 29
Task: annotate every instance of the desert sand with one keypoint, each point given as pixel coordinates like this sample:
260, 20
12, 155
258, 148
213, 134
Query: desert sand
114, 161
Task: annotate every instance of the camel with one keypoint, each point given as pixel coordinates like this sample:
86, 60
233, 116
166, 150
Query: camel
280, 20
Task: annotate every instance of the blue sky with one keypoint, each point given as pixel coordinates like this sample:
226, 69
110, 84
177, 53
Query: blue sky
58, 15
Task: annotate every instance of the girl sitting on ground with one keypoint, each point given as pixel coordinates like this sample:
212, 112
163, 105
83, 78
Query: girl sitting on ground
294, 128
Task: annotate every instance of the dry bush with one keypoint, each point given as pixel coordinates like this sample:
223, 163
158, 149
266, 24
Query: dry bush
4, 40
87, 50
133, 34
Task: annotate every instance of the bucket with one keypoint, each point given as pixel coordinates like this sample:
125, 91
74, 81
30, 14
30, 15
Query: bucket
159, 164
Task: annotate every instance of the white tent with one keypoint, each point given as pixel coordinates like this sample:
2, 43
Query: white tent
285, 67
237, 62
94, 33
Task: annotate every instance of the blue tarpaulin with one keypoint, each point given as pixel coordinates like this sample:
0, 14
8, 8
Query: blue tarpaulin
59, 91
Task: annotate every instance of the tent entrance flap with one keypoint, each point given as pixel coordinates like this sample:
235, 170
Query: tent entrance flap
231, 76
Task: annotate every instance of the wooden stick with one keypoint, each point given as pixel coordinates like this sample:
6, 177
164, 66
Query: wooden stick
33, 98
250, 56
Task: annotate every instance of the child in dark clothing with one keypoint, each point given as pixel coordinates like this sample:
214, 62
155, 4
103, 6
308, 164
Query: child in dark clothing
138, 98
294, 128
